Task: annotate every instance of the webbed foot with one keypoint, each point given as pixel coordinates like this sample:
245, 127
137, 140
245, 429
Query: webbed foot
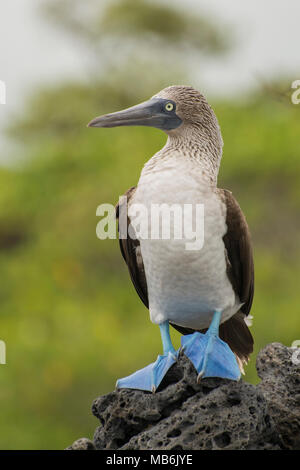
211, 356
150, 377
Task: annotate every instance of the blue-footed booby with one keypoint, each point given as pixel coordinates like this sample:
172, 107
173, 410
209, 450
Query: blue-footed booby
205, 294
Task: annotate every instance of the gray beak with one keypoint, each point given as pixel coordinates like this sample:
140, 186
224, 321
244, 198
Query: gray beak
150, 113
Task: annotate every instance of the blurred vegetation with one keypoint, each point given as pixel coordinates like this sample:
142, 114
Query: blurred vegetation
70, 317
155, 25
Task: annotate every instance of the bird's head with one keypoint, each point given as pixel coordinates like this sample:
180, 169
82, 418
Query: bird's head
178, 110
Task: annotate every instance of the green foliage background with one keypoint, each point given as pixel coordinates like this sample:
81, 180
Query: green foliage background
70, 317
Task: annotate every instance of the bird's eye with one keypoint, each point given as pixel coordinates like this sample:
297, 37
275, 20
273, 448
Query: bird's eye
169, 107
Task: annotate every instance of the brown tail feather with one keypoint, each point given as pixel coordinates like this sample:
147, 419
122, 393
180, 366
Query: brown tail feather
237, 335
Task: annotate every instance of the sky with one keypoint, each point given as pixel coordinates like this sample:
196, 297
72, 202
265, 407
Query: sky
34, 52
268, 40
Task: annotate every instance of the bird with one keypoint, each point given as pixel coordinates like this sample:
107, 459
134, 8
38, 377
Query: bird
206, 294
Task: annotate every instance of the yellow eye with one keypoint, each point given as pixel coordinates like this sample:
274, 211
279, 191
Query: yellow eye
169, 107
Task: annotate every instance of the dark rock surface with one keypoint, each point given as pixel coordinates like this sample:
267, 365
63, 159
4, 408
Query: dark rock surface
215, 414
280, 386
82, 444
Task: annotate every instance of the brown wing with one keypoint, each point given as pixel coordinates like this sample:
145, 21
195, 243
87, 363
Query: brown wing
240, 270
237, 240
131, 253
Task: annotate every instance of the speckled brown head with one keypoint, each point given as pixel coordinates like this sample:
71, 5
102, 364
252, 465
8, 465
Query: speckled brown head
189, 104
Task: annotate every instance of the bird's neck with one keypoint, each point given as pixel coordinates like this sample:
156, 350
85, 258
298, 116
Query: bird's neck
204, 153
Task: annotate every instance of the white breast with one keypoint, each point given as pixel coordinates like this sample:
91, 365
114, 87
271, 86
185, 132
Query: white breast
185, 287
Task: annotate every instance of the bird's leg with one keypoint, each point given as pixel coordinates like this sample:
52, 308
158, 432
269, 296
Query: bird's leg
211, 356
166, 339
151, 376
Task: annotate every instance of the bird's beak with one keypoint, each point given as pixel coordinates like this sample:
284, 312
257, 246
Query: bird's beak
150, 113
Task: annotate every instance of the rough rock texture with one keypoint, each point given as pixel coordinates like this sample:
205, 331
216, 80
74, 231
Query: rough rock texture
215, 414
281, 388
82, 444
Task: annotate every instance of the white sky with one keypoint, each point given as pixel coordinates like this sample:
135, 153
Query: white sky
268, 43
33, 52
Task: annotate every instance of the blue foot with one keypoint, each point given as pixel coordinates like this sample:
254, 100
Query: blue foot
211, 356
151, 376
